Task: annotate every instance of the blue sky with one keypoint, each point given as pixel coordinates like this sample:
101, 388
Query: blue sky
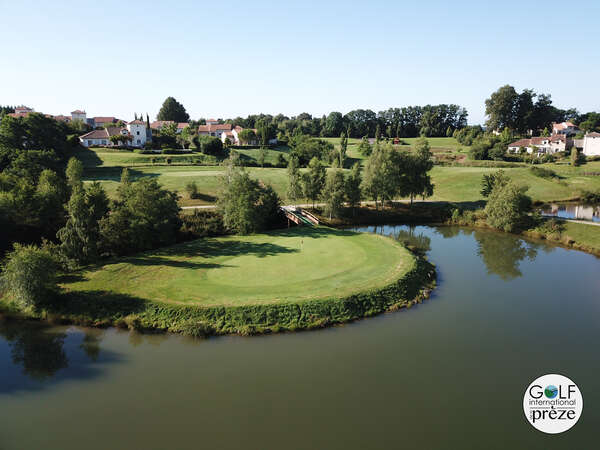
224, 59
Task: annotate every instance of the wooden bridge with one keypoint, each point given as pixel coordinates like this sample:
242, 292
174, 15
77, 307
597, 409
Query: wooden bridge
299, 216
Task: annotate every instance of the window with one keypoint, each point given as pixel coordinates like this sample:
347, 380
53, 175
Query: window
103, 142
138, 133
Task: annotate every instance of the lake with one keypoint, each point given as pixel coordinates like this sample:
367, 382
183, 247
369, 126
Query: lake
448, 373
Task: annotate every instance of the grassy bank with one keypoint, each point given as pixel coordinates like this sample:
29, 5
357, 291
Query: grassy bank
285, 280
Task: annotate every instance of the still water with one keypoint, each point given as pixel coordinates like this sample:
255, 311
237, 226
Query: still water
449, 373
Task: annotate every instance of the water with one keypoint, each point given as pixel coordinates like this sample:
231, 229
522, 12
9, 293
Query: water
449, 373
572, 211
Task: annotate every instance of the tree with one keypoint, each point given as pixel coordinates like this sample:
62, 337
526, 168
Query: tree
247, 135
74, 173
364, 147
492, 180
209, 145
262, 154
79, 238
500, 108
29, 274
246, 204
353, 192
334, 124
574, 156
507, 207
294, 190
343, 148
378, 133
314, 180
171, 109
334, 192
143, 216
379, 180
414, 171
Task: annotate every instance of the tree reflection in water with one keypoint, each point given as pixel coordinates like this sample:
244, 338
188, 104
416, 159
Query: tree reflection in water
42, 352
502, 253
417, 242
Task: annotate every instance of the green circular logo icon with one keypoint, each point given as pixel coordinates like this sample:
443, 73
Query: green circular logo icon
551, 391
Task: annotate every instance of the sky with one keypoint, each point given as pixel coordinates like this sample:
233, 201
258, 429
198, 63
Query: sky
228, 59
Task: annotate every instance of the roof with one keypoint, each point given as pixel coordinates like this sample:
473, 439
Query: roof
563, 125
17, 115
160, 123
520, 143
593, 134
558, 137
104, 119
137, 122
214, 127
96, 134
183, 125
78, 111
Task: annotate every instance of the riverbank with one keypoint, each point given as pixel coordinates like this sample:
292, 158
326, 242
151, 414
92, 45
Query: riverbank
286, 280
570, 234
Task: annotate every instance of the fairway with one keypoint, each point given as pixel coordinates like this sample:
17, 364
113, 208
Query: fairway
291, 265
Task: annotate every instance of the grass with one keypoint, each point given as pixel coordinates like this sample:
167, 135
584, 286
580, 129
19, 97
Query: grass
284, 266
584, 234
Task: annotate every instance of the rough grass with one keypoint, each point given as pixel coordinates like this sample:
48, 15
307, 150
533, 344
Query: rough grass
284, 266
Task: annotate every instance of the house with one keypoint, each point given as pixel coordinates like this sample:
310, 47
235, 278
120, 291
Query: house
566, 128
99, 122
159, 124
79, 115
591, 144
21, 111
549, 145
214, 128
135, 130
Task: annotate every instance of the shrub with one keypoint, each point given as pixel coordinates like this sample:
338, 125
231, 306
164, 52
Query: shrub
590, 197
29, 274
168, 160
192, 189
507, 207
543, 173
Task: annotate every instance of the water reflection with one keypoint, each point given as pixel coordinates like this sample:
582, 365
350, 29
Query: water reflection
579, 212
35, 355
503, 253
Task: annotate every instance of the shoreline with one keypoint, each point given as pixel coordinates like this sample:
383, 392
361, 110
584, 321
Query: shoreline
121, 311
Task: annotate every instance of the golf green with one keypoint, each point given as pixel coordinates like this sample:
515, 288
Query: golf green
283, 266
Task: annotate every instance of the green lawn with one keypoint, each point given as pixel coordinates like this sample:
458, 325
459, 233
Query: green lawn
584, 234
451, 183
291, 265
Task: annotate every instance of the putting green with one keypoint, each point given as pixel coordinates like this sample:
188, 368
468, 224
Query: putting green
290, 265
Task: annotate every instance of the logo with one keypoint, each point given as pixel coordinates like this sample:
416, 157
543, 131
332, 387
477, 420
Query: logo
552, 404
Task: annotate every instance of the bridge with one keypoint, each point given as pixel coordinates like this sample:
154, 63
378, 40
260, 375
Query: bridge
299, 216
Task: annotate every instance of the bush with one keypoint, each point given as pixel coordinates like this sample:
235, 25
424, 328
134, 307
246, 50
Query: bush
543, 173
192, 189
202, 223
590, 197
507, 207
29, 274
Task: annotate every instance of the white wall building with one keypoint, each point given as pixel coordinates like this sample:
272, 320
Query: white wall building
137, 130
79, 115
591, 144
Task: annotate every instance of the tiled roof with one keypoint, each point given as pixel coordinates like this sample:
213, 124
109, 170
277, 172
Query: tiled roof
520, 143
105, 119
96, 134
137, 122
593, 134
78, 111
182, 125
157, 124
210, 127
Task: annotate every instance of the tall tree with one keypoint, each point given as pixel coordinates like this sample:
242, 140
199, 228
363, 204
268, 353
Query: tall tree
334, 192
313, 180
343, 147
353, 191
171, 109
294, 189
500, 108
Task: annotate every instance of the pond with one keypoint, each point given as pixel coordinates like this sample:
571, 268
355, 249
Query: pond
572, 211
448, 373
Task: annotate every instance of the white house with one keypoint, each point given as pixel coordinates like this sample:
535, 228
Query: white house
591, 144
214, 128
566, 128
79, 115
549, 145
136, 130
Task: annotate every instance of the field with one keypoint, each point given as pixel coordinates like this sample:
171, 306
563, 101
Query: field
452, 183
283, 266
